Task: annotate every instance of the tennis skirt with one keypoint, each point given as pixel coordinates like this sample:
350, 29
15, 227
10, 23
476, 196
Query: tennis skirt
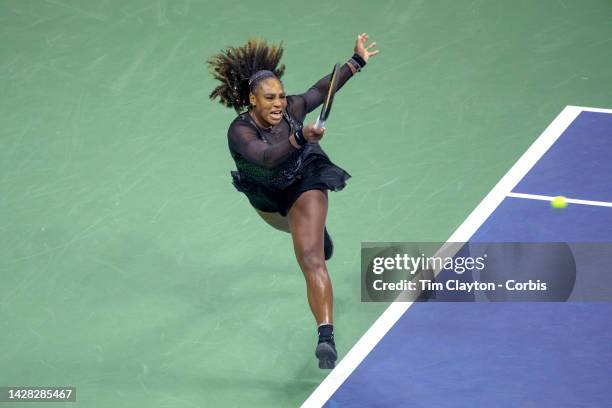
320, 174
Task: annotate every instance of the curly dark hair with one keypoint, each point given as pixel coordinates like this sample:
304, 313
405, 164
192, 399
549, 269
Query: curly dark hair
234, 66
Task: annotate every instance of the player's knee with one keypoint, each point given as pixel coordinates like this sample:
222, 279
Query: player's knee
317, 276
312, 259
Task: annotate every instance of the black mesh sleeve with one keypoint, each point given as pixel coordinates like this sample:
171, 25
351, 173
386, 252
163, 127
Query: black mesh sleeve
243, 139
315, 96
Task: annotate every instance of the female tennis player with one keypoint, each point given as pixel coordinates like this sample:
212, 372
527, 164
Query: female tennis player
281, 167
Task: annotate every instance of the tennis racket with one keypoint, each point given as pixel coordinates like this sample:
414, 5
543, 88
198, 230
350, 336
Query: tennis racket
329, 98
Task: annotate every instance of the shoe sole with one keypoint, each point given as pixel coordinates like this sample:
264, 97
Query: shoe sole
327, 355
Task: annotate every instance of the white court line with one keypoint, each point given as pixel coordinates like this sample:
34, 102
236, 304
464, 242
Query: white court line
587, 109
463, 233
569, 200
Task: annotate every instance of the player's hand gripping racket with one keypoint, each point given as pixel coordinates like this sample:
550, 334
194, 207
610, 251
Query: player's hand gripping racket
329, 98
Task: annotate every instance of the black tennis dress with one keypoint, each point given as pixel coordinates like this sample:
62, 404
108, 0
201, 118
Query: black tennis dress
270, 171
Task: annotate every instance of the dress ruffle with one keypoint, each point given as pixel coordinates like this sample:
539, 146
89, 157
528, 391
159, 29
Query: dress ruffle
322, 173
312, 165
311, 171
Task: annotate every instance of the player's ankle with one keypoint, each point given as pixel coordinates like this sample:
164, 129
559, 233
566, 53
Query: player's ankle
326, 332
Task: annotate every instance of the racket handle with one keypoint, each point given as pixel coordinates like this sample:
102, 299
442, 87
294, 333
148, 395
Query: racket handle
320, 123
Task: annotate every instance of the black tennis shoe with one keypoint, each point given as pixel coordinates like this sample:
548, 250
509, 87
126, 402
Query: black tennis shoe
326, 352
328, 245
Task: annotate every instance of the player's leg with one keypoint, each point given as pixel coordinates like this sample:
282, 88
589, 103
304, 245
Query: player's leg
275, 220
307, 223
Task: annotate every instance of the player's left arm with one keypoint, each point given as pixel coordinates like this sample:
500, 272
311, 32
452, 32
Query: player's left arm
315, 96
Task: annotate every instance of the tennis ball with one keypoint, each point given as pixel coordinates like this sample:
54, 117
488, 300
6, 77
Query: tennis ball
558, 202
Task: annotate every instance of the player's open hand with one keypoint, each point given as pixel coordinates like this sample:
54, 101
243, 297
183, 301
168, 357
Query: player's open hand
312, 133
363, 50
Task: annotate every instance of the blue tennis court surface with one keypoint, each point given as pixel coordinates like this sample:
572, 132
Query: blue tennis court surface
518, 219
579, 164
504, 354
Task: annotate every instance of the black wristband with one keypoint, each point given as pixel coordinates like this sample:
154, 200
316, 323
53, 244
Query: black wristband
359, 60
299, 137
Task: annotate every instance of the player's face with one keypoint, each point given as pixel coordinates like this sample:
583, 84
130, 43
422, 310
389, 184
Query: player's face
269, 101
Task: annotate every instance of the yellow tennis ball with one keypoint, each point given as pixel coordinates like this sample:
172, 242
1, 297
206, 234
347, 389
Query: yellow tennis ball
558, 202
